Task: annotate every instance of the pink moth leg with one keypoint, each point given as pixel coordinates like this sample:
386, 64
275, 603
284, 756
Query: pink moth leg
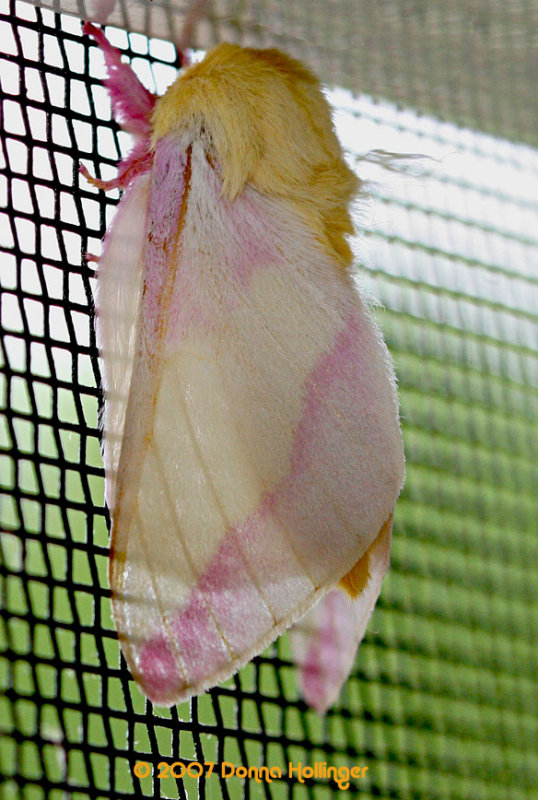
132, 105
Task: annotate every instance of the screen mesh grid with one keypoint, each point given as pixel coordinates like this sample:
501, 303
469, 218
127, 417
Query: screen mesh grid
442, 701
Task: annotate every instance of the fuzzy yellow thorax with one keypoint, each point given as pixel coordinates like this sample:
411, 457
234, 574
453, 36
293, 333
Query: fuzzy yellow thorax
269, 125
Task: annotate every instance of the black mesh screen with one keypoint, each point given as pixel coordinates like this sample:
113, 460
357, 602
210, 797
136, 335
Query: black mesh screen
442, 701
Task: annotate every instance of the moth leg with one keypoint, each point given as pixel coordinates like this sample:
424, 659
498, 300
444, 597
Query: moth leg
137, 162
132, 103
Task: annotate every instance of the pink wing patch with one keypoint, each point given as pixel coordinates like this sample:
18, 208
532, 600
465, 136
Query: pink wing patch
325, 641
241, 592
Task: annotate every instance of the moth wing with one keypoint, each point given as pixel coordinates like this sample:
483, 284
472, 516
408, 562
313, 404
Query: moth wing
260, 447
326, 639
117, 299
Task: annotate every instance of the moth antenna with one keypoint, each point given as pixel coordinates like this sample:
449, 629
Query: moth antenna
102, 9
196, 12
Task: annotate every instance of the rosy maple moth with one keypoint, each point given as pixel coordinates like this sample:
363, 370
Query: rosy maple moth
251, 440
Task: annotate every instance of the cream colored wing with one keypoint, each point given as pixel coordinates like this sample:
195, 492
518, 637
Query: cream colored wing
252, 443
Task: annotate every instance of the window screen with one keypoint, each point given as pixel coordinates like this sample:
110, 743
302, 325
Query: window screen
442, 701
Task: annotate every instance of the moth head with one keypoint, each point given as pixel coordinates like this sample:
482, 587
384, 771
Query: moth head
266, 122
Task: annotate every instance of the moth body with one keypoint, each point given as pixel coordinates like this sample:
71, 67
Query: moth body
252, 448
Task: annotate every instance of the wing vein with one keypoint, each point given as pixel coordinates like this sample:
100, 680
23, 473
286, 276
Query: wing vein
178, 528
162, 611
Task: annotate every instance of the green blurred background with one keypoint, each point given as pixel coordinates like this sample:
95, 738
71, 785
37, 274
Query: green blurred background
442, 703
